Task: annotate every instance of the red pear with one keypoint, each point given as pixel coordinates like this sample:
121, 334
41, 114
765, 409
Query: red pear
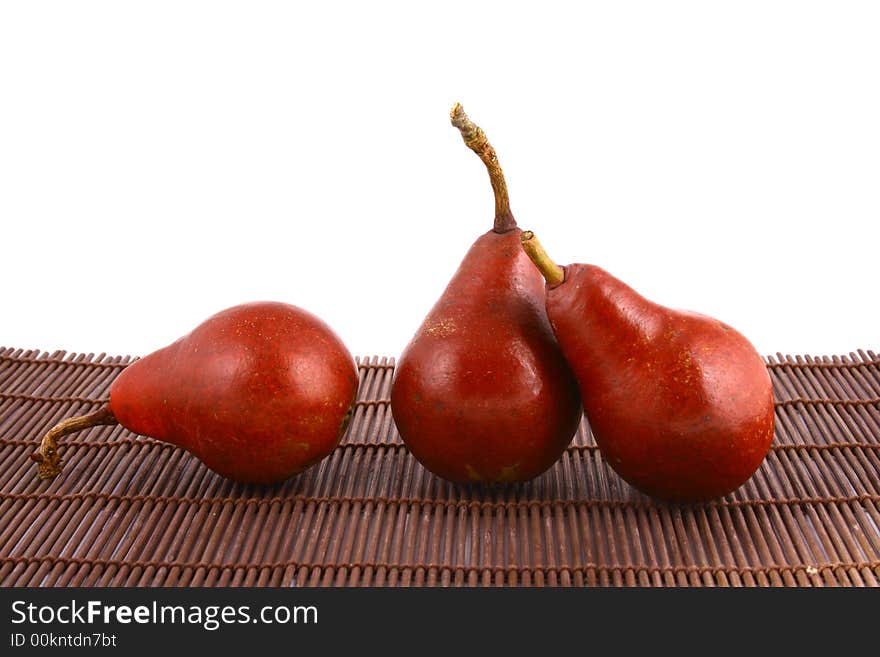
680, 404
482, 392
258, 392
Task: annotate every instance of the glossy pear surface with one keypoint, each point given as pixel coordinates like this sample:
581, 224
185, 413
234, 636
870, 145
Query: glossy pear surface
680, 404
258, 392
482, 393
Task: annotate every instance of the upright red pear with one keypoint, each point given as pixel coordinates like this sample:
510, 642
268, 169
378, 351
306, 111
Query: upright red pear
680, 404
258, 392
482, 393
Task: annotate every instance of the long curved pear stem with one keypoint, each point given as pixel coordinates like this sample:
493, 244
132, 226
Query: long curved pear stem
476, 140
553, 273
47, 458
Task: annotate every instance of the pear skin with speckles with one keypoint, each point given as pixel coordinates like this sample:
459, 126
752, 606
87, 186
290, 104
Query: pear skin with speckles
258, 392
482, 393
680, 404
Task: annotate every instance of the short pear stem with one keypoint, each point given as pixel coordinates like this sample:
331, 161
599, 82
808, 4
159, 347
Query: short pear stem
47, 458
553, 273
476, 140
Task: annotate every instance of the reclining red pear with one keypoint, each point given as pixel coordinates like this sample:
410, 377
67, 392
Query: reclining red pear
258, 392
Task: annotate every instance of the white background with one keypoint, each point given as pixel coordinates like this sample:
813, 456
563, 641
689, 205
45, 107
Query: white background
160, 161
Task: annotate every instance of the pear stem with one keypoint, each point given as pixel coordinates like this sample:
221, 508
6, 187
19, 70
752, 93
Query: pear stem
552, 273
475, 139
47, 458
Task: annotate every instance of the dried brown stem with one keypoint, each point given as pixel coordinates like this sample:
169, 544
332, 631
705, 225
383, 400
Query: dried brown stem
47, 458
476, 140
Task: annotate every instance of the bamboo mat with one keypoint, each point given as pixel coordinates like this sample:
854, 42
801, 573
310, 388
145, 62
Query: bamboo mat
130, 511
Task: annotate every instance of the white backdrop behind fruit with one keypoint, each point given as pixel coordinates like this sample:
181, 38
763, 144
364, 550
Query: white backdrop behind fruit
160, 163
